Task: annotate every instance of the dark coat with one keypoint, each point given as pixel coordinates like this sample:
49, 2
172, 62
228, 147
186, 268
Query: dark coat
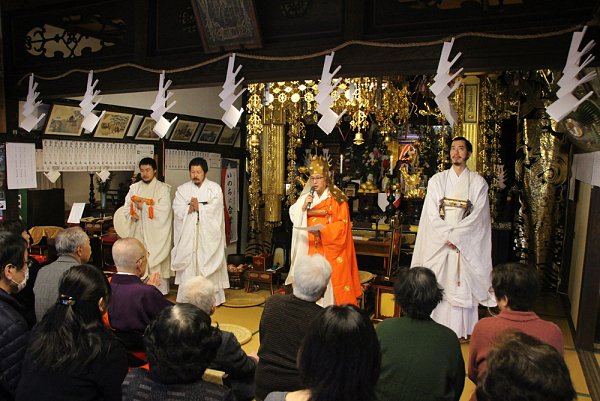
240, 367
14, 337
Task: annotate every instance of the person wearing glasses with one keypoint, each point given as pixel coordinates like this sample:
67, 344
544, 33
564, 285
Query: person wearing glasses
321, 202
14, 333
134, 304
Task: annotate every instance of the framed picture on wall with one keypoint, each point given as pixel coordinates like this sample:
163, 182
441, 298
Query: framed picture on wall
198, 132
113, 125
229, 136
184, 131
64, 120
145, 131
210, 133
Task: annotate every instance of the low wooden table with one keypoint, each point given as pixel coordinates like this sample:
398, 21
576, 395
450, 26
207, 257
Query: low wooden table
260, 276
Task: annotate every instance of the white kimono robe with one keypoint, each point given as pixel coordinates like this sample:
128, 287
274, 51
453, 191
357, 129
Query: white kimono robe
472, 237
199, 241
156, 234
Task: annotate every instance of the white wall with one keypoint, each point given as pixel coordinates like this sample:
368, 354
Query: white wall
582, 211
199, 102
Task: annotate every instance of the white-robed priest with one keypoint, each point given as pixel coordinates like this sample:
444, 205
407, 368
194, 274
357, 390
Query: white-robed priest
199, 224
455, 241
149, 218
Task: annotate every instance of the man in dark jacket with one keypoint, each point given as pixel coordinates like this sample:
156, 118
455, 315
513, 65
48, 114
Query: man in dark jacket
14, 334
134, 304
230, 358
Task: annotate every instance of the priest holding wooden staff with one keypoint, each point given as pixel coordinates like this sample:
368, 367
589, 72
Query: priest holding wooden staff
322, 203
149, 217
199, 241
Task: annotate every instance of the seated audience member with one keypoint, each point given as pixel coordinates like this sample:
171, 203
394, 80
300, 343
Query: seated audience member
231, 358
339, 359
13, 327
284, 322
180, 344
516, 287
422, 360
71, 354
520, 367
73, 248
133, 304
24, 297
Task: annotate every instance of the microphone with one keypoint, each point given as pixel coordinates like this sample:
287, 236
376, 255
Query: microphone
312, 192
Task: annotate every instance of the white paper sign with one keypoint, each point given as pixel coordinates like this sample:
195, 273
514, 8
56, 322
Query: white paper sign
20, 165
76, 213
311, 228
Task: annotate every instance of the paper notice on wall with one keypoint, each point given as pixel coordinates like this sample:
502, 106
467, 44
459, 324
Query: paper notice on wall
20, 165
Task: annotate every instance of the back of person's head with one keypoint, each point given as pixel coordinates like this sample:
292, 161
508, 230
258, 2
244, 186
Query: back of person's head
180, 344
148, 161
14, 226
200, 292
12, 250
417, 292
69, 333
311, 276
520, 368
340, 357
519, 283
199, 161
68, 240
126, 252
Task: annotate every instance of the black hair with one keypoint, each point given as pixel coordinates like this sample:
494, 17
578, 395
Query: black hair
417, 292
180, 344
198, 161
467, 143
148, 161
519, 283
12, 250
521, 367
340, 357
68, 336
14, 226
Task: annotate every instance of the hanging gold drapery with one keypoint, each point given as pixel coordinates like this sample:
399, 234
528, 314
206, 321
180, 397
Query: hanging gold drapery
541, 172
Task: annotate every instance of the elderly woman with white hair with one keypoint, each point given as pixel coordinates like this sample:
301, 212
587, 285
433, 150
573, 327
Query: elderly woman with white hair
231, 358
284, 322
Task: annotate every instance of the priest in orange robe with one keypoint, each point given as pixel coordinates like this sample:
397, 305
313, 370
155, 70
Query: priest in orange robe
326, 205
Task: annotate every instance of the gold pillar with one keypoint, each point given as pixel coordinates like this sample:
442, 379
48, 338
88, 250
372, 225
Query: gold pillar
273, 151
470, 129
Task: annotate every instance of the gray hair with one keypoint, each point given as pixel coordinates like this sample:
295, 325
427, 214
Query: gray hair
198, 291
311, 276
126, 252
67, 241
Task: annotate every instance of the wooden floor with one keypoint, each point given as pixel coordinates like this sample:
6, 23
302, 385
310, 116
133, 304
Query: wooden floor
548, 308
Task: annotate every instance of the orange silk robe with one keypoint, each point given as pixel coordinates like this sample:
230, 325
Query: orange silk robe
337, 246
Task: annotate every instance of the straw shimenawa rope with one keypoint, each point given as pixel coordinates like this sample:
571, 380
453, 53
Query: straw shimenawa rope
317, 54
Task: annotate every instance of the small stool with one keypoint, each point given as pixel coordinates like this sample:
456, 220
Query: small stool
259, 276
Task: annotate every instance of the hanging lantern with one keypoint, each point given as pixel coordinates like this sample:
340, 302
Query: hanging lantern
358, 138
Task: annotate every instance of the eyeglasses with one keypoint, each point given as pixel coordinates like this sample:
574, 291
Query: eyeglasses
316, 178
